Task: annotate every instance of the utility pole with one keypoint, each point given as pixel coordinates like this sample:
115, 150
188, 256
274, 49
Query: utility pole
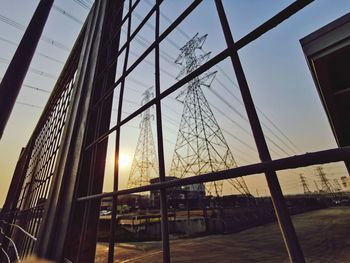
144, 165
200, 146
18, 67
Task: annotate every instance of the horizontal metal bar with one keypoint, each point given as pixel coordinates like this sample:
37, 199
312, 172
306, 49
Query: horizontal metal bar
272, 22
297, 161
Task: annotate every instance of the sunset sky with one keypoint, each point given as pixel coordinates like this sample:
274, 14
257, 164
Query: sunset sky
276, 70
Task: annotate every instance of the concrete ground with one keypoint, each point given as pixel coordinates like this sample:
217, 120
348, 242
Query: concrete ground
323, 234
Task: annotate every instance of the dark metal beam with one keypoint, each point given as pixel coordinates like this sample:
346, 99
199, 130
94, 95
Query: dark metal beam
290, 238
53, 230
114, 222
163, 195
272, 22
293, 162
18, 67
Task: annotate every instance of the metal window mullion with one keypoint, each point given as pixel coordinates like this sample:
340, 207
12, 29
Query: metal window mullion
117, 146
291, 241
163, 195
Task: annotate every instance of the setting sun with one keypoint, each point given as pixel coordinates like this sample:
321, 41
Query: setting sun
124, 160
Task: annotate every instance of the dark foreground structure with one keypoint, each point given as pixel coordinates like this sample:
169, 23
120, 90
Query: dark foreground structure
53, 205
328, 54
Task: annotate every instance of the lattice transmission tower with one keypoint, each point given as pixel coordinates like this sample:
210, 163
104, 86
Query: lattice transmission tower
337, 185
325, 184
304, 184
200, 145
144, 165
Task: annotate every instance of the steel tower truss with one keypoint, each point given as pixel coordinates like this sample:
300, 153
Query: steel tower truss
305, 184
144, 165
200, 146
325, 184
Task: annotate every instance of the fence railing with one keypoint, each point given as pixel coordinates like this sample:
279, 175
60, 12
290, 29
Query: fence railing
54, 208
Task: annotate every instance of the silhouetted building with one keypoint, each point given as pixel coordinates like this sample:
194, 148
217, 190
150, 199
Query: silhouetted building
179, 197
327, 51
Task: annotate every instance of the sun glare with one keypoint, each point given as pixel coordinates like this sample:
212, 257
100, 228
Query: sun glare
124, 160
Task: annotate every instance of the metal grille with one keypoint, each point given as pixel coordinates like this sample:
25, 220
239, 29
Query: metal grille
39, 173
70, 227
20, 224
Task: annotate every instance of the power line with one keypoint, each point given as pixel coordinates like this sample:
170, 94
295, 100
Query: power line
220, 97
224, 73
37, 89
30, 105
44, 38
265, 116
33, 70
169, 59
224, 130
170, 21
34, 88
67, 14
200, 145
36, 52
227, 132
230, 92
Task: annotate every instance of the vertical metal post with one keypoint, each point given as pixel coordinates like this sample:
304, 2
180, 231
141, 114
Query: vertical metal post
18, 67
163, 201
52, 239
290, 238
114, 43
117, 145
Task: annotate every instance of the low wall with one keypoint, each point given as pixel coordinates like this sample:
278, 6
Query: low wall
223, 221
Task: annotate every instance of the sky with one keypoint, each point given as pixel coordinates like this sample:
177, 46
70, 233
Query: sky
275, 67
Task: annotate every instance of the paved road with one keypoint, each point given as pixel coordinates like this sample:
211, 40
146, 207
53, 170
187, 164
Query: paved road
324, 236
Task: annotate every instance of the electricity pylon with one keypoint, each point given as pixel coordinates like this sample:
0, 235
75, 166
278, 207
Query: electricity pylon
325, 184
304, 184
337, 185
144, 165
200, 145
